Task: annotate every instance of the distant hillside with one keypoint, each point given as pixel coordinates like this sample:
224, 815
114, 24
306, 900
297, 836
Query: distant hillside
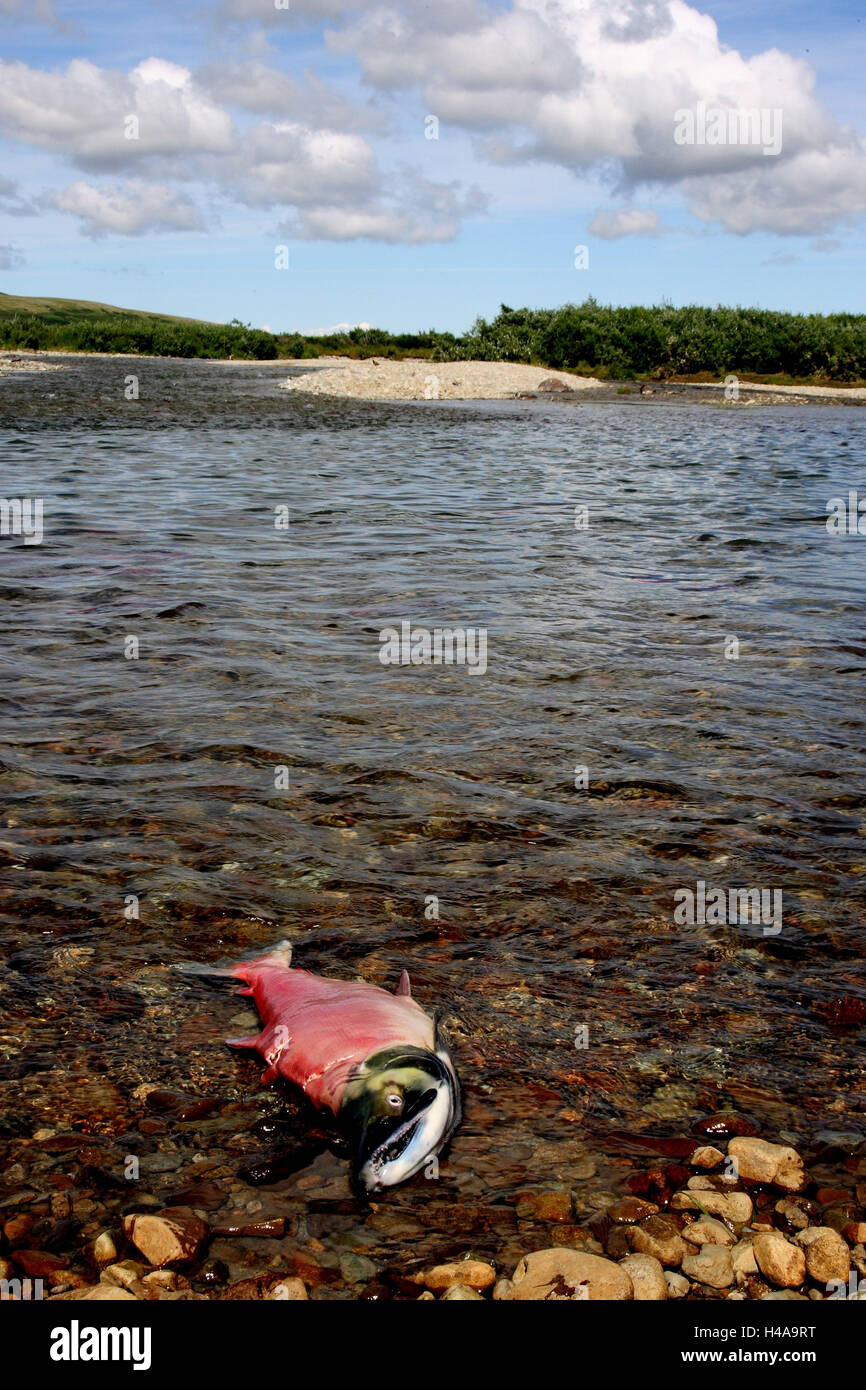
76, 310
80, 325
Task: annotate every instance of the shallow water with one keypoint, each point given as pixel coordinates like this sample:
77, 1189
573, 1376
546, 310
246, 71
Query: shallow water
258, 648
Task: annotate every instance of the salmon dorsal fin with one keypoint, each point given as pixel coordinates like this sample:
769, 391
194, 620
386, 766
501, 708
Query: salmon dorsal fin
403, 986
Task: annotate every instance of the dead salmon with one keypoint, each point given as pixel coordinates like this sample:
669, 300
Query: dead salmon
372, 1058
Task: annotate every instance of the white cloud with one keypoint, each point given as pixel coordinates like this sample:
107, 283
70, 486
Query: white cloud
85, 112
412, 211
590, 84
159, 123
130, 210
262, 90
809, 193
610, 226
10, 257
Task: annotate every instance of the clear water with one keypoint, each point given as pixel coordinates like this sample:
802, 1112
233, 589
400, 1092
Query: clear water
258, 649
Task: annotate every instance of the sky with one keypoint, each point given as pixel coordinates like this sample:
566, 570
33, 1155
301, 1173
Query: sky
300, 164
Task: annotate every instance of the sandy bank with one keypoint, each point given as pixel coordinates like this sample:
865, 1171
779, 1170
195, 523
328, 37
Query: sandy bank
18, 362
380, 379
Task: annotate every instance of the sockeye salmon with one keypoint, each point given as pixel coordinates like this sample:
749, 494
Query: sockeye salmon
370, 1057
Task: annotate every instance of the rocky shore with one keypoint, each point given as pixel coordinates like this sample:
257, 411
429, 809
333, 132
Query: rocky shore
735, 1217
24, 362
381, 379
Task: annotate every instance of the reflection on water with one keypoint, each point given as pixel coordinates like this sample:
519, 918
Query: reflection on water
153, 779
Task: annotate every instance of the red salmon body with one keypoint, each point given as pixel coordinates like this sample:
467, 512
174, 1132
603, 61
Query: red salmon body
317, 1032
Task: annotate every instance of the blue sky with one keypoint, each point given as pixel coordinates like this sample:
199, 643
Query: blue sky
261, 127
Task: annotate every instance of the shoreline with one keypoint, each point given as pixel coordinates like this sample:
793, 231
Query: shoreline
416, 379
392, 381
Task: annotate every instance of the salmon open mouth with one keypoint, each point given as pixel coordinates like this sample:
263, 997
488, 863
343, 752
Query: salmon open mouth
399, 1142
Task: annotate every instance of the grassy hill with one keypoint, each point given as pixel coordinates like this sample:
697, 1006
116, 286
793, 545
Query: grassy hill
76, 310
82, 325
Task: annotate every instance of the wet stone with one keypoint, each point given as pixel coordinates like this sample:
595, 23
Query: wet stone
712, 1265
660, 1237
547, 1206
568, 1275
779, 1261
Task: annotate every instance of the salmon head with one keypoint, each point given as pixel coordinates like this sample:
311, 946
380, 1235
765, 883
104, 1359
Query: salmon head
399, 1109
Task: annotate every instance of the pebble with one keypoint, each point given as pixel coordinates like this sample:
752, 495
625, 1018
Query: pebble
678, 1286
98, 1293
124, 1274
559, 1275
712, 1265
535, 1205
104, 1249
827, 1255
707, 1231
706, 1157
289, 1291
744, 1262
476, 1274
166, 1238
463, 1292
648, 1278
781, 1262
736, 1207
584, 1169
762, 1162
793, 1214
659, 1236
357, 1269
631, 1209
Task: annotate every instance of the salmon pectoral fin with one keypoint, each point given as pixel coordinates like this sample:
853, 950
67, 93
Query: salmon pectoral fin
251, 1041
269, 1075
403, 986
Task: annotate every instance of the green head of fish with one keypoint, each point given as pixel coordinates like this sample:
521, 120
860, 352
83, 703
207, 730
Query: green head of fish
399, 1109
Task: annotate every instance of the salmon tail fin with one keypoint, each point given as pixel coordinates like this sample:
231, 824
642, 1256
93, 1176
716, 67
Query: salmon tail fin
403, 985
251, 1041
279, 956
214, 972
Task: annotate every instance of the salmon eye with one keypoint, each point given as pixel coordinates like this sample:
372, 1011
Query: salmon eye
394, 1100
